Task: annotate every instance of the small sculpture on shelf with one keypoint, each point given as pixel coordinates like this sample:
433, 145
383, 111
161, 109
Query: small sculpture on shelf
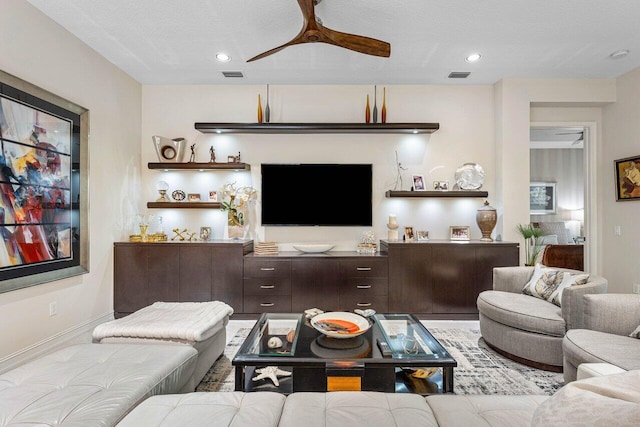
192, 158
233, 159
212, 153
392, 234
179, 234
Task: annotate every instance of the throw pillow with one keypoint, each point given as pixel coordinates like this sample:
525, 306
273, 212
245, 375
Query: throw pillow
636, 333
548, 284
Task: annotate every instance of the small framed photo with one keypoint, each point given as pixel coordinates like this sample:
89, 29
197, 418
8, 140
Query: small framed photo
418, 183
542, 198
213, 196
422, 235
459, 232
627, 179
408, 234
193, 197
441, 185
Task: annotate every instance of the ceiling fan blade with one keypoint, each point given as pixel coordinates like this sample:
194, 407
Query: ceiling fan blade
308, 10
293, 42
361, 44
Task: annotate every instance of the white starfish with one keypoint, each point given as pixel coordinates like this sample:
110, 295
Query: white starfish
271, 372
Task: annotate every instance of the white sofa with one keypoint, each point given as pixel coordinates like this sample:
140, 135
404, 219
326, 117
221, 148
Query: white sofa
614, 398
89, 385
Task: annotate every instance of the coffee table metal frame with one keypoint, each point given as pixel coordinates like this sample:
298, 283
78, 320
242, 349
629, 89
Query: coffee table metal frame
411, 344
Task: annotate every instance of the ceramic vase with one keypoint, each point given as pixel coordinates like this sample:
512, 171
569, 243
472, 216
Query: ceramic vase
383, 112
367, 112
267, 109
486, 219
375, 106
259, 109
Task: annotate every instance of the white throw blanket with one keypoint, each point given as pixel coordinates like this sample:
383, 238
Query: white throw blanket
191, 321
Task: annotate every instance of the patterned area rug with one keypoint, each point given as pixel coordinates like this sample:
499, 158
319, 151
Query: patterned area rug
480, 370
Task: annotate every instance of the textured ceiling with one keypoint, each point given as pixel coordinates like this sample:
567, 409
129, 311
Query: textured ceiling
175, 41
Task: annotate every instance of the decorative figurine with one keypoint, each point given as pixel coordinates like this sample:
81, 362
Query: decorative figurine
192, 158
179, 234
274, 342
271, 372
212, 152
191, 237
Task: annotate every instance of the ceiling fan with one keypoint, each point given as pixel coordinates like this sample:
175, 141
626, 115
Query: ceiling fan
314, 32
577, 141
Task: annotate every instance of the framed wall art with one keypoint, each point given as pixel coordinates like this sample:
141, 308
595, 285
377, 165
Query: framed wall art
459, 232
542, 198
627, 178
43, 186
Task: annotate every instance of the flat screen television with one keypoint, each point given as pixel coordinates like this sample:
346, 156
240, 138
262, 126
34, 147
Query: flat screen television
316, 194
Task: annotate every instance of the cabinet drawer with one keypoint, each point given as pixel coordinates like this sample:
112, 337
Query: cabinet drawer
267, 304
364, 267
267, 268
364, 286
379, 303
267, 286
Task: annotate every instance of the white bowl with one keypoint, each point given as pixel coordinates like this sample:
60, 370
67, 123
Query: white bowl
362, 323
313, 247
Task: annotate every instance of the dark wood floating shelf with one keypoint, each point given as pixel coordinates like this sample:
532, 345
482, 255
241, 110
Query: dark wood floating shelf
193, 166
452, 193
184, 205
317, 127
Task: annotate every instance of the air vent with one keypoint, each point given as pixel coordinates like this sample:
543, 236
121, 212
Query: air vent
459, 74
233, 74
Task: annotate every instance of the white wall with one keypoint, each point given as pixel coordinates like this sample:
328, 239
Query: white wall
37, 50
622, 139
466, 134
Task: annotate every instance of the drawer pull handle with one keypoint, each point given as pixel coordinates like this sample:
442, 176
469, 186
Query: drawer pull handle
266, 304
364, 304
267, 286
363, 286
267, 268
363, 268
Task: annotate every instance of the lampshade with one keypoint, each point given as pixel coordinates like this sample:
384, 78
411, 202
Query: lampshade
577, 215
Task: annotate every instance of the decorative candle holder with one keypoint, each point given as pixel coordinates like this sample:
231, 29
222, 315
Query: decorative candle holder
162, 188
392, 234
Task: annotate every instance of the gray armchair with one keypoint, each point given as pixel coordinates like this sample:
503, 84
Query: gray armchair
608, 321
526, 329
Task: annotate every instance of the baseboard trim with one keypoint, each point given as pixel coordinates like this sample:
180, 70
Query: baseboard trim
74, 335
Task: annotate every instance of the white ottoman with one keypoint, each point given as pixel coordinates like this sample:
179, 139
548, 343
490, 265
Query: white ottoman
590, 370
201, 325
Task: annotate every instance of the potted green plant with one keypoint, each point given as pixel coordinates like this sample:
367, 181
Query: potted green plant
531, 247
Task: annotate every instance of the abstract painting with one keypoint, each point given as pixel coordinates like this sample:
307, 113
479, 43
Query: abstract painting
40, 186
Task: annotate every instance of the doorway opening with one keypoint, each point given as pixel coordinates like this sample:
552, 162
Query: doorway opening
560, 202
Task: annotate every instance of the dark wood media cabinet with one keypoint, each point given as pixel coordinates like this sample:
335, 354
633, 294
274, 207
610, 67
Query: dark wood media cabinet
432, 279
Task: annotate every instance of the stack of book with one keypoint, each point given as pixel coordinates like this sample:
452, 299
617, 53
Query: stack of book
266, 248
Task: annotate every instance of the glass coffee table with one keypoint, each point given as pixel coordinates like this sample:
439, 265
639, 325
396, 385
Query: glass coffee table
396, 354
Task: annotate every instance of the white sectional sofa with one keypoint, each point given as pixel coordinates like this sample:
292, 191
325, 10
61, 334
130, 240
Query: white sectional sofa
614, 399
89, 385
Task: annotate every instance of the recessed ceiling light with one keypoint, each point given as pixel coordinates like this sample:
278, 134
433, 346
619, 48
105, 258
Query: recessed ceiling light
223, 57
474, 57
619, 54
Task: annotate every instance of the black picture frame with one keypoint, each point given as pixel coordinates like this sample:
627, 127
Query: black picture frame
627, 172
43, 186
